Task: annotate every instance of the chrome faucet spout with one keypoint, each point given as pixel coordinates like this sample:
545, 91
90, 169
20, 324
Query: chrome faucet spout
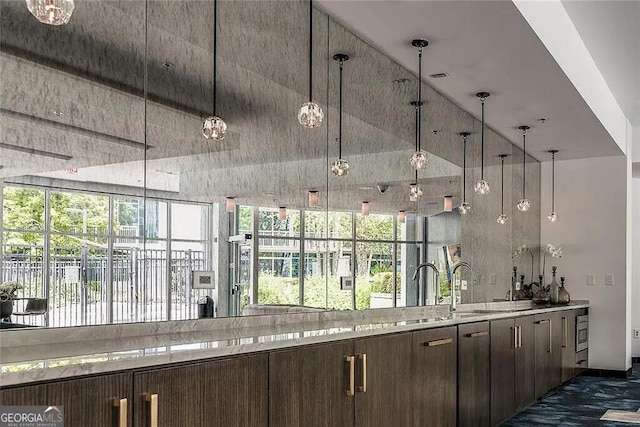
423, 289
453, 287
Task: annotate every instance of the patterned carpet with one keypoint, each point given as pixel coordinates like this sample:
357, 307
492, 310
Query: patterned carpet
582, 401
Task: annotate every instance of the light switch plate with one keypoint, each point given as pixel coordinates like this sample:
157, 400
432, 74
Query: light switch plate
608, 279
591, 279
463, 286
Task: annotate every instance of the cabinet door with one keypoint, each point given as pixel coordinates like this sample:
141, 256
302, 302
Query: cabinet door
544, 352
308, 387
230, 392
525, 363
503, 343
474, 375
384, 391
436, 377
557, 341
568, 345
87, 401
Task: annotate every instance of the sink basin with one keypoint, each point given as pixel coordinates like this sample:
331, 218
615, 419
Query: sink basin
501, 310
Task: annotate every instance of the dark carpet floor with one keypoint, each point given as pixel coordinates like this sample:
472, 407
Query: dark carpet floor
582, 401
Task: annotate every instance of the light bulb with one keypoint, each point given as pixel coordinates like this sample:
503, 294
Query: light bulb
310, 115
313, 199
214, 128
553, 216
366, 206
482, 187
340, 167
52, 12
419, 160
415, 192
523, 205
503, 219
230, 205
464, 208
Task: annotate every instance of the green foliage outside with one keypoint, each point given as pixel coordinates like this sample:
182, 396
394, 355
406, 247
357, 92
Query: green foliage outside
281, 290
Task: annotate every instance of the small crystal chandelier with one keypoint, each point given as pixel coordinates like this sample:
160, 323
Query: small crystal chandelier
464, 206
502, 218
419, 159
524, 204
214, 127
482, 186
415, 192
553, 215
341, 166
310, 114
52, 12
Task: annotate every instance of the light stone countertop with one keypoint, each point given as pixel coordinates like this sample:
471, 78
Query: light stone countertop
68, 352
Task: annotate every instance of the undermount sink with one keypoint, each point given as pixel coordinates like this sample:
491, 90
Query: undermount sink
500, 310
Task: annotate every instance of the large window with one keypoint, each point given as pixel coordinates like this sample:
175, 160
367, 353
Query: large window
100, 259
340, 260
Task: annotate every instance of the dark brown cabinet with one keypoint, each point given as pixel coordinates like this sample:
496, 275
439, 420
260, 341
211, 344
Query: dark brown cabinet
474, 375
525, 363
312, 386
504, 340
217, 394
384, 379
568, 319
86, 402
436, 374
544, 353
512, 366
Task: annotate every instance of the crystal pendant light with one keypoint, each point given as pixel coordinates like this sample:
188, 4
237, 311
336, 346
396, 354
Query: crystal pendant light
415, 191
553, 215
482, 186
464, 206
214, 127
341, 166
524, 204
52, 12
310, 114
419, 159
502, 218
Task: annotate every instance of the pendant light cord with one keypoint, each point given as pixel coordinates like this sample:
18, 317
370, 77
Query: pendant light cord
524, 162
310, 50
502, 209
417, 129
553, 182
464, 168
340, 121
482, 142
215, 61
419, 96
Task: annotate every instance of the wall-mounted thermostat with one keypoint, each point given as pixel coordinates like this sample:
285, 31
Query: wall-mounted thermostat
346, 283
203, 280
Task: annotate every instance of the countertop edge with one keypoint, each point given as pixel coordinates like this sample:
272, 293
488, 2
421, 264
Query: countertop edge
10, 379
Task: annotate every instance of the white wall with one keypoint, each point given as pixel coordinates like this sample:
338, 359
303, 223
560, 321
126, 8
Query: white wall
635, 238
591, 200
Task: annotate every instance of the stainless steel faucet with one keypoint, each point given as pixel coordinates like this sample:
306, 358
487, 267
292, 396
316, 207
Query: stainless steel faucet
422, 288
453, 284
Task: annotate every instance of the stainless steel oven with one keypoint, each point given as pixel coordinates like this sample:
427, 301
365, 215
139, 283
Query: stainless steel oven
582, 333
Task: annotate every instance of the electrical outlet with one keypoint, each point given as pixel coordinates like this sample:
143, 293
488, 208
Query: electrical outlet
591, 279
636, 333
608, 279
463, 286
